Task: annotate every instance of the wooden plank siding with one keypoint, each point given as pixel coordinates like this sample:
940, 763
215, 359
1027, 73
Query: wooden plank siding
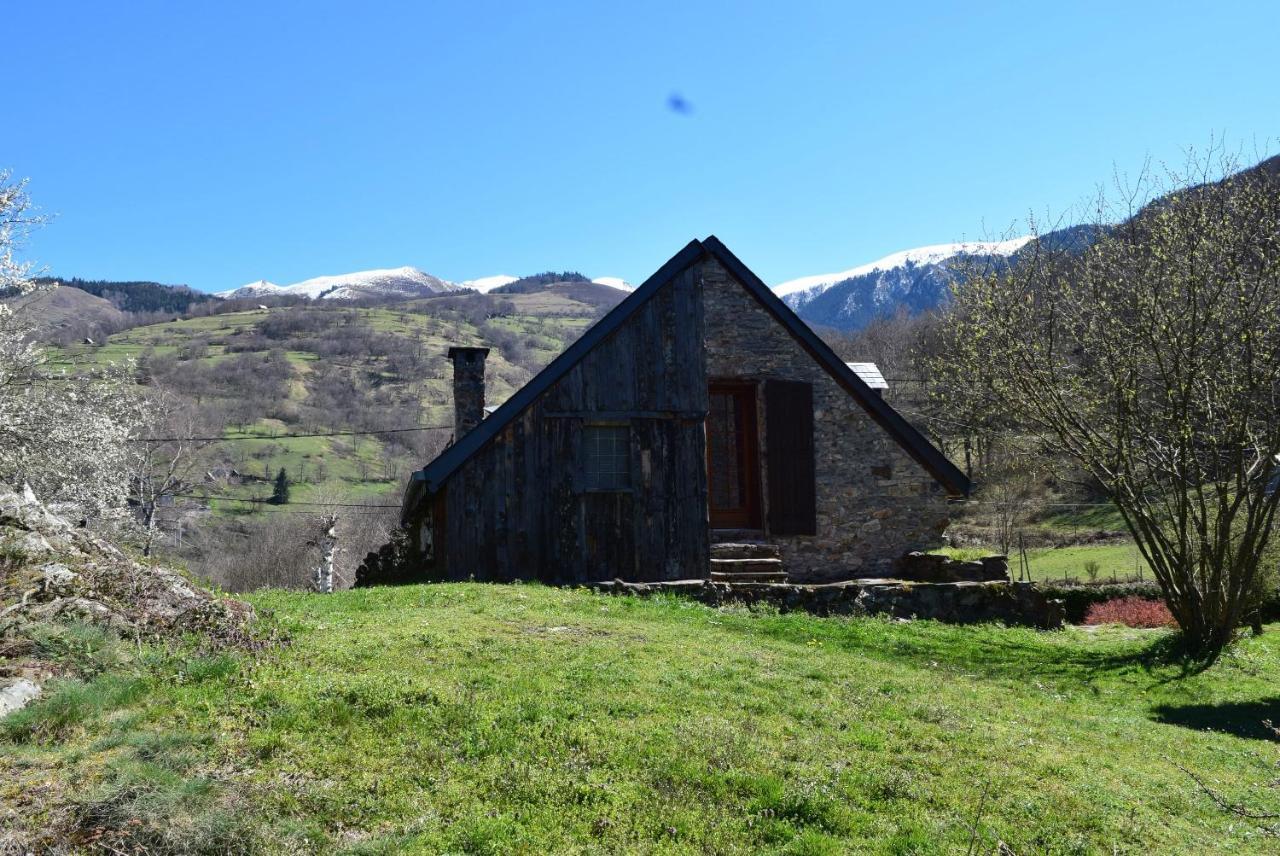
519, 509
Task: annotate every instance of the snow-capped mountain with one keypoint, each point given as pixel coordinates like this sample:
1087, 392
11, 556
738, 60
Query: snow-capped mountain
486, 284
916, 280
401, 282
261, 288
809, 287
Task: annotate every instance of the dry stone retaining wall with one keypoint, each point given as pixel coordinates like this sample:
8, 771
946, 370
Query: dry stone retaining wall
957, 603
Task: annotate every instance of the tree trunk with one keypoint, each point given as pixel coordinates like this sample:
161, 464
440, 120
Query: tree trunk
323, 579
150, 515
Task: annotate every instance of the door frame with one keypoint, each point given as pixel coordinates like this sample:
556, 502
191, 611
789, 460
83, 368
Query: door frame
751, 515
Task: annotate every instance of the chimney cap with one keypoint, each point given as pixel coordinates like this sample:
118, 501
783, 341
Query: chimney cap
463, 351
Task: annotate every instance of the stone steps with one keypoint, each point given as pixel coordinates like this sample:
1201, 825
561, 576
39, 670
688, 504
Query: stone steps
751, 577
724, 536
747, 566
746, 563
744, 550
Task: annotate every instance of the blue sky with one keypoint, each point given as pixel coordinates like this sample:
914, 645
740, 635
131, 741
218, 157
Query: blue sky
219, 143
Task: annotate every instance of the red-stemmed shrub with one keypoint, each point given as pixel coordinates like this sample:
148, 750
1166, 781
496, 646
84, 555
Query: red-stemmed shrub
1131, 612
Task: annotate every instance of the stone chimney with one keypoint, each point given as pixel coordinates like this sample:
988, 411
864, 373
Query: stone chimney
468, 388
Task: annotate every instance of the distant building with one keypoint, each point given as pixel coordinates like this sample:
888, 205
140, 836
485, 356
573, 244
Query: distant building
700, 410
870, 374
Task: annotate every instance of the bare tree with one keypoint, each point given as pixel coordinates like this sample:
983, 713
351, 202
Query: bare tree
1152, 360
165, 458
322, 580
1011, 490
343, 533
266, 550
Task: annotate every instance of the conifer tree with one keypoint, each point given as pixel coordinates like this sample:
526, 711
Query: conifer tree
280, 493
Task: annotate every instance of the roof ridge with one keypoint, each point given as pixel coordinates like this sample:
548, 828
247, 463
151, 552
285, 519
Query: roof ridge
434, 474
907, 435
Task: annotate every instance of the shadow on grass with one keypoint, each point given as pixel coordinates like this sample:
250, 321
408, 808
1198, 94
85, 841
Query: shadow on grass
990, 650
1241, 718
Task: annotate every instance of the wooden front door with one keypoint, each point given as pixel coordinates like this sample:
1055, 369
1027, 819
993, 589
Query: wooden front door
733, 457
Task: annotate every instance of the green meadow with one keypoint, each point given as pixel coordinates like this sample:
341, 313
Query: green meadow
469, 718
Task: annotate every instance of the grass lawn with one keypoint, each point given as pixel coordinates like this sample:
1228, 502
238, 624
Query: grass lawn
1054, 563
1115, 561
520, 719
1094, 515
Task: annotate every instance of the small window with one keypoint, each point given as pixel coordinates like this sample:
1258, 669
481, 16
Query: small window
608, 456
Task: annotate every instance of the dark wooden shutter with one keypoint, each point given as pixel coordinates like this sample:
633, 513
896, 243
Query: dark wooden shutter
788, 408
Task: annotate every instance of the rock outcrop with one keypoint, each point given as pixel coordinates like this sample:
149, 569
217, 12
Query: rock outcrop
52, 571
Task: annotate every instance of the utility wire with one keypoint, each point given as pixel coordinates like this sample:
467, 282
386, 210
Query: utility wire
367, 505
289, 436
313, 513
291, 502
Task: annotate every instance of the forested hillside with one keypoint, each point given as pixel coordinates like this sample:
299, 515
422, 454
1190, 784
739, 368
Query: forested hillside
367, 388
538, 281
138, 296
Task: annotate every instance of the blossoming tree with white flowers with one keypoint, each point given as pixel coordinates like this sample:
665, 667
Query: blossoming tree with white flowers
65, 434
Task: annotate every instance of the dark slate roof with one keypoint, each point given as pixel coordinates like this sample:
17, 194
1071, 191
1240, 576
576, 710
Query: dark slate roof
432, 477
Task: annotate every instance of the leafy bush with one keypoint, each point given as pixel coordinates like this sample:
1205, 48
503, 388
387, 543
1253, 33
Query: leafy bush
1076, 599
1264, 597
1131, 612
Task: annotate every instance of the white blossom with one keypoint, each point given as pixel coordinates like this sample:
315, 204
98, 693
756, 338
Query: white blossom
65, 434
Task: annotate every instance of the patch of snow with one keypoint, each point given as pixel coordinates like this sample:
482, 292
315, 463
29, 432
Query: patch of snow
402, 280
250, 289
919, 256
393, 282
614, 282
488, 283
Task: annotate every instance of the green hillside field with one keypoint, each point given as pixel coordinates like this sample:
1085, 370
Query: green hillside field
383, 390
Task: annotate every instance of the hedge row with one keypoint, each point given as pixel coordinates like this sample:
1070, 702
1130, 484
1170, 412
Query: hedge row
1078, 598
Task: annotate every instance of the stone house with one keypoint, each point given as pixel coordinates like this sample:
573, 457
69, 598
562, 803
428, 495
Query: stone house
699, 422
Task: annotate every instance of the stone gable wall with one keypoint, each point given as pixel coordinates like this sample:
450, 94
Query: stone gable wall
874, 502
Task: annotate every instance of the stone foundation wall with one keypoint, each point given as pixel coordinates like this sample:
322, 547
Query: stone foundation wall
874, 502
957, 603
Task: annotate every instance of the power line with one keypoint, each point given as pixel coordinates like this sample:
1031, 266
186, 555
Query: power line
289, 436
313, 513
291, 502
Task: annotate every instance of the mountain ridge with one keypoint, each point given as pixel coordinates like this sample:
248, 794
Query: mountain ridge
398, 283
918, 280
401, 282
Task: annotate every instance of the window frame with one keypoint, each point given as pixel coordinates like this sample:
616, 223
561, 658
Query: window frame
591, 481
